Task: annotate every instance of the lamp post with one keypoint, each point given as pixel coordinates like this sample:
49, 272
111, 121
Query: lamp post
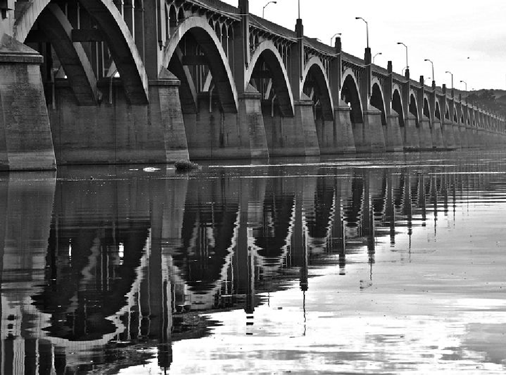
366, 29
433, 77
465, 83
405, 46
450, 73
265, 6
379, 53
333, 36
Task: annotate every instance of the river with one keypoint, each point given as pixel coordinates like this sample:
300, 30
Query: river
356, 264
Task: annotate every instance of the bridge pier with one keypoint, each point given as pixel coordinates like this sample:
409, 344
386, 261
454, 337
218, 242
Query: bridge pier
304, 119
251, 121
411, 137
393, 135
448, 131
344, 130
369, 135
292, 136
25, 133
437, 136
424, 133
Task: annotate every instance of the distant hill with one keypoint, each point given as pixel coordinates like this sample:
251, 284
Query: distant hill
493, 100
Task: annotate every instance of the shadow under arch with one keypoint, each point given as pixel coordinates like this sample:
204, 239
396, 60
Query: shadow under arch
268, 53
427, 110
437, 113
413, 108
377, 100
397, 105
350, 95
205, 36
314, 77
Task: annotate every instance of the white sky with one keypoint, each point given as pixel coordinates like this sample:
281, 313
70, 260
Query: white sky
466, 37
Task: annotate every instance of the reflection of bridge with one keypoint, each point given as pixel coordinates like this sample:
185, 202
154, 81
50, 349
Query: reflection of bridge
136, 81
124, 257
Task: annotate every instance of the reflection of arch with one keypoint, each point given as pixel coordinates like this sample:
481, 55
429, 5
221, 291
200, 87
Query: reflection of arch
79, 310
206, 38
397, 105
377, 100
271, 240
268, 52
72, 56
315, 69
350, 94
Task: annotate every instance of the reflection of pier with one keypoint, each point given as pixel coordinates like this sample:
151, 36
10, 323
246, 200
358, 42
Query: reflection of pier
121, 258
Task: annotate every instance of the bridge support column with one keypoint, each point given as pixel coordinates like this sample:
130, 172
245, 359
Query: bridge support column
345, 142
424, 133
304, 120
325, 130
448, 132
25, 133
393, 135
437, 136
369, 136
460, 134
165, 108
292, 136
251, 122
411, 138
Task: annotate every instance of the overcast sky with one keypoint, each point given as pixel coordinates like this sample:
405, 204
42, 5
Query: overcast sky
466, 37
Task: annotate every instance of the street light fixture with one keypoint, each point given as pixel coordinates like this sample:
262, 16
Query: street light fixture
333, 36
265, 6
465, 83
379, 53
407, 64
433, 77
366, 29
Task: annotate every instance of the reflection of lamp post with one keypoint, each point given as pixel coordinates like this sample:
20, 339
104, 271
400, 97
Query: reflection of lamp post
433, 77
265, 6
366, 29
379, 53
405, 46
333, 36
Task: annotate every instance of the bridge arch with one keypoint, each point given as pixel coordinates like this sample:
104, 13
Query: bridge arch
426, 110
377, 99
351, 95
315, 71
72, 56
267, 52
115, 32
206, 38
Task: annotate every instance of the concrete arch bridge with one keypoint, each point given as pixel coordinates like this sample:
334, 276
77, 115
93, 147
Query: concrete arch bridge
135, 81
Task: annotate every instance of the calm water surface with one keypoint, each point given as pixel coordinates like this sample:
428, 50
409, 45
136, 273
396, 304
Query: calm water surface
383, 264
